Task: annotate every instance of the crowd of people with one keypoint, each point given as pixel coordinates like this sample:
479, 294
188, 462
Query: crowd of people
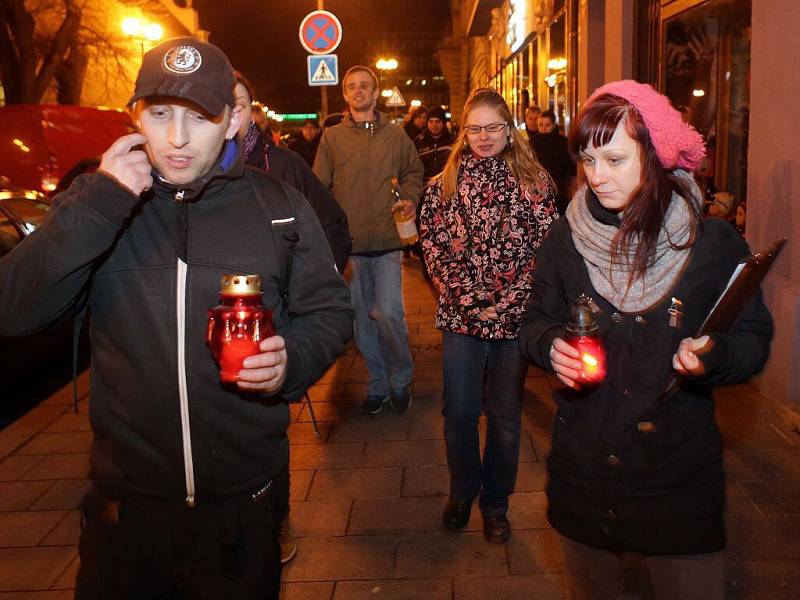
190, 480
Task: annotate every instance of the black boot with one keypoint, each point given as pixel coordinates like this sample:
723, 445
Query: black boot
456, 514
496, 528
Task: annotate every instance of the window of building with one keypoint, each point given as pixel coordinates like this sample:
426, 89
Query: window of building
706, 71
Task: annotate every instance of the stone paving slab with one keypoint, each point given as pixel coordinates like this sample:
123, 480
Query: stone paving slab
367, 497
430, 589
527, 587
357, 483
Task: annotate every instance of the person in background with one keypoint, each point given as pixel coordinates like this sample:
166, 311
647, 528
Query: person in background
531, 129
416, 124
187, 474
631, 470
551, 150
357, 160
307, 142
286, 165
433, 144
482, 221
260, 117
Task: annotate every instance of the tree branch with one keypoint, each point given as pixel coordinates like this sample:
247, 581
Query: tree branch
61, 42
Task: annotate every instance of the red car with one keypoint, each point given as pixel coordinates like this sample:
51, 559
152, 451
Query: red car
40, 144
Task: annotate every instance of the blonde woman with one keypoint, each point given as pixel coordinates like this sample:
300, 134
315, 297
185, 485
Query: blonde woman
481, 222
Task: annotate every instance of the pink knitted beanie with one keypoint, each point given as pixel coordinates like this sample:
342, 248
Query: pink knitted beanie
677, 144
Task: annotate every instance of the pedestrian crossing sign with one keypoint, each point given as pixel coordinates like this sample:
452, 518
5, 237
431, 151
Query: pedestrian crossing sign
323, 69
396, 99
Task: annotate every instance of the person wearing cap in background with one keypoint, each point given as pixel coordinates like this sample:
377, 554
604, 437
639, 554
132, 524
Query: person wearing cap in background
631, 470
433, 144
185, 472
307, 142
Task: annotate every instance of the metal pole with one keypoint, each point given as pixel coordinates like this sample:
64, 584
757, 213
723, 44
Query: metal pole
324, 88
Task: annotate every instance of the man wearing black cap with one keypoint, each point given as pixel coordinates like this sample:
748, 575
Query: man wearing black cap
185, 472
434, 143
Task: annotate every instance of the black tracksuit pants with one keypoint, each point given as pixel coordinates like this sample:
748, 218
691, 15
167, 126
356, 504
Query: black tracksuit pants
134, 547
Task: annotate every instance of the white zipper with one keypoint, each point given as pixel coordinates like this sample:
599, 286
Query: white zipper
183, 391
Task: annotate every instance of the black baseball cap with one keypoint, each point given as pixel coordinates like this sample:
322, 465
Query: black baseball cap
189, 69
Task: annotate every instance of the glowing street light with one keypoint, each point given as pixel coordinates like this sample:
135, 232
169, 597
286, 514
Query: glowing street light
137, 29
386, 64
415, 103
387, 93
131, 26
153, 32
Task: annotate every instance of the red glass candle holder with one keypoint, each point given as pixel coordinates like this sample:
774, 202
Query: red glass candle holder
582, 334
593, 357
238, 324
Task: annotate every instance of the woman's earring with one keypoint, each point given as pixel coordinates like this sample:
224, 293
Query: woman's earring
510, 142
465, 149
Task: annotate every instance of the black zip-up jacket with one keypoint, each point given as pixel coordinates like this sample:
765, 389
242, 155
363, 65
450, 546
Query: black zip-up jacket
628, 472
150, 269
433, 152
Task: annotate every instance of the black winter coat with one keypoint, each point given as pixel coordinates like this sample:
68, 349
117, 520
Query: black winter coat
307, 150
289, 167
628, 472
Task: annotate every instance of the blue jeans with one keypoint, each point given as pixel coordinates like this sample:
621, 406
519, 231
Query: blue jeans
482, 375
376, 290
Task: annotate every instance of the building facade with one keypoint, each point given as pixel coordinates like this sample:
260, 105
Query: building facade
720, 61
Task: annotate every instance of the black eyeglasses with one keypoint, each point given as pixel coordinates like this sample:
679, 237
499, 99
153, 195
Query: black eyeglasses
491, 128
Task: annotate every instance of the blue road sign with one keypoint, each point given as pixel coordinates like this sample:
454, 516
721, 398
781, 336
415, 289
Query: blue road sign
323, 69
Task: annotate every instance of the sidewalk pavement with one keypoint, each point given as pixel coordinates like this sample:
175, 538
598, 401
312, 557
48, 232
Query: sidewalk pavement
367, 497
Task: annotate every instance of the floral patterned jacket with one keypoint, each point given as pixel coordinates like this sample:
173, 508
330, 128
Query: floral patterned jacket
480, 246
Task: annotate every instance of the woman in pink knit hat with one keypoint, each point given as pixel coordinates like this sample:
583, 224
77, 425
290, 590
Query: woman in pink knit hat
631, 471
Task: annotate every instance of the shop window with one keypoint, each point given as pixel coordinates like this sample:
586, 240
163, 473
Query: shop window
706, 72
557, 71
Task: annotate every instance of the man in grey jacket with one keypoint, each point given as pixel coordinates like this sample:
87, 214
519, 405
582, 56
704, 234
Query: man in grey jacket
187, 474
358, 159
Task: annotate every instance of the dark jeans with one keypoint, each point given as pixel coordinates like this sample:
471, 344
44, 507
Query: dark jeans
482, 375
139, 548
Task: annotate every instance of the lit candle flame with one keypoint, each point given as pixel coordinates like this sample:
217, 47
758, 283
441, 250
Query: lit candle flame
590, 361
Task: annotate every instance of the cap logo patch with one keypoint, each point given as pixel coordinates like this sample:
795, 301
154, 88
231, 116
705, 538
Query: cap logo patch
183, 60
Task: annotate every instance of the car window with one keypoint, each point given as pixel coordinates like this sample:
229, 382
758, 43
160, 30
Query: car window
9, 237
30, 212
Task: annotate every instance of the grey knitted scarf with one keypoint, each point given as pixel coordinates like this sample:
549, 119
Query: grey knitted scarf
593, 239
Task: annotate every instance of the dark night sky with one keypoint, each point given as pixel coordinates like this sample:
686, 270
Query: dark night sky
261, 39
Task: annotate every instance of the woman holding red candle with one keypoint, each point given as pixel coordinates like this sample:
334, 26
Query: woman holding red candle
482, 220
630, 471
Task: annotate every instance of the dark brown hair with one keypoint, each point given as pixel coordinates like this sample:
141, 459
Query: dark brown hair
635, 242
240, 78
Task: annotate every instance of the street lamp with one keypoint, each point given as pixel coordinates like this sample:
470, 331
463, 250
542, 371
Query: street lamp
137, 29
153, 32
383, 65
